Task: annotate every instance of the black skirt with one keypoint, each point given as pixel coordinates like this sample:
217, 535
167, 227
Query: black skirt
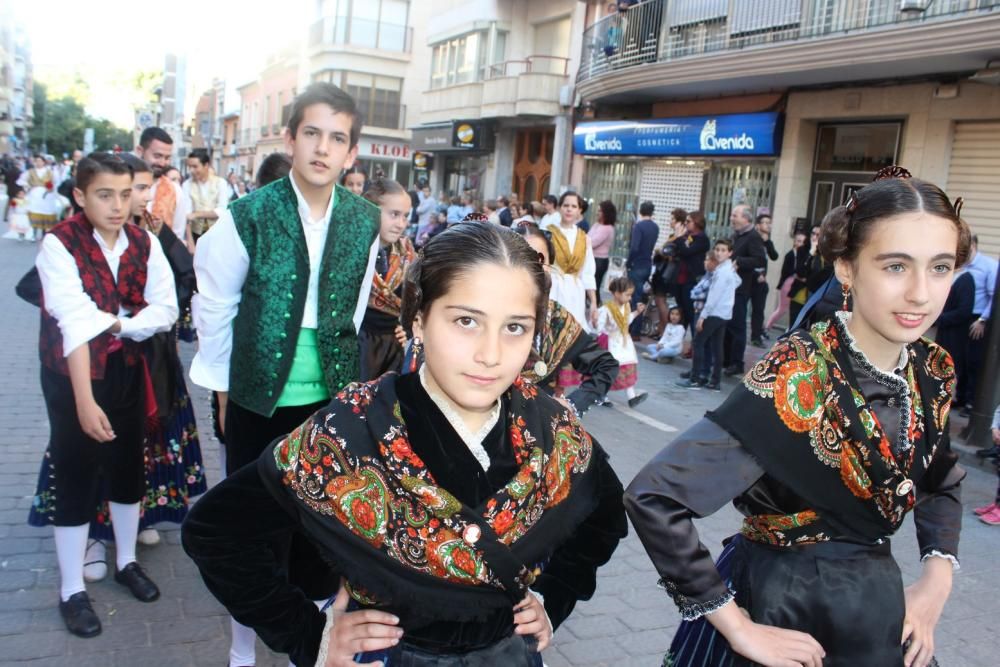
380, 353
849, 597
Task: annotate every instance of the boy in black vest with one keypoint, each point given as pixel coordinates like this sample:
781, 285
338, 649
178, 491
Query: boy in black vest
106, 285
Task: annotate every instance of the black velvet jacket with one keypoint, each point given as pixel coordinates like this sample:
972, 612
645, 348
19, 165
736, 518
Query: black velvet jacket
228, 534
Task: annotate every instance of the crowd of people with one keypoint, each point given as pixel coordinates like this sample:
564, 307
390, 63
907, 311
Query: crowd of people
398, 382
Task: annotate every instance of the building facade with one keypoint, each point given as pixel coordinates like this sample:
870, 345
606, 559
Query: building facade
840, 87
16, 86
367, 48
497, 96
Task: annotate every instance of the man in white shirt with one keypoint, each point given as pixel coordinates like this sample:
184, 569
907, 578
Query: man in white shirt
206, 192
156, 147
283, 279
106, 286
551, 217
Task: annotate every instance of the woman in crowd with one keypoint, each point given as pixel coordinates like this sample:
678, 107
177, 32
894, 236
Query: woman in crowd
444, 498
602, 238
381, 349
826, 447
574, 268
792, 269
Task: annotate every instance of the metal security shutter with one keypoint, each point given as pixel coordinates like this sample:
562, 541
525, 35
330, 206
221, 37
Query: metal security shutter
671, 184
974, 174
614, 181
733, 183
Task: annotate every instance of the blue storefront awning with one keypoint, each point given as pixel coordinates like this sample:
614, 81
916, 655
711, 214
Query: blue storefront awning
751, 134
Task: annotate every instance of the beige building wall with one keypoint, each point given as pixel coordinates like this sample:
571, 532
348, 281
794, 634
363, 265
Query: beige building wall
928, 111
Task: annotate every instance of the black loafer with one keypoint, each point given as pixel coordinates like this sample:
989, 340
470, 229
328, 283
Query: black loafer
135, 580
79, 616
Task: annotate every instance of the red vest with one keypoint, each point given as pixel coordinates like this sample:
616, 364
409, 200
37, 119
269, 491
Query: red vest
77, 236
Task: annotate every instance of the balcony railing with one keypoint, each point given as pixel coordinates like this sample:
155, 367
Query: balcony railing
340, 31
264, 130
668, 30
275, 129
537, 64
387, 117
246, 136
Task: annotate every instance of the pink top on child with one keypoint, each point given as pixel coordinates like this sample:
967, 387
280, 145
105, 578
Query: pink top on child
601, 238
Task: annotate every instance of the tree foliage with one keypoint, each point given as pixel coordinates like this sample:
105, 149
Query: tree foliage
60, 125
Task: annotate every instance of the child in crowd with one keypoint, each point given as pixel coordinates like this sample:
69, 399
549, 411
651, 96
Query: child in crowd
990, 514
355, 179
439, 223
710, 329
17, 215
613, 320
106, 285
381, 350
671, 343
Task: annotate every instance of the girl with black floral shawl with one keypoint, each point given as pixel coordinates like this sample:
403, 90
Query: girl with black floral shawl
832, 438
381, 337
465, 511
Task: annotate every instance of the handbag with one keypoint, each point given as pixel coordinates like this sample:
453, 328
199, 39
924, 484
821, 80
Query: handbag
29, 287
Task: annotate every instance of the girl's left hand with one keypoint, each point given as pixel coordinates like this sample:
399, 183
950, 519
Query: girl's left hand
530, 619
640, 308
924, 603
400, 334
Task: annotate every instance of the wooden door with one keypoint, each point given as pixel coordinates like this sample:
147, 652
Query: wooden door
532, 163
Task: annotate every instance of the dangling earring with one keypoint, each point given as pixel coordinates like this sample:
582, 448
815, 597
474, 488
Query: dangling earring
416, 352
845, 289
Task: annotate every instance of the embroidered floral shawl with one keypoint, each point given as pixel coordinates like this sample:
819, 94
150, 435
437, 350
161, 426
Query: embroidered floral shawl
801, 415
560, 333
370, 503
385, 296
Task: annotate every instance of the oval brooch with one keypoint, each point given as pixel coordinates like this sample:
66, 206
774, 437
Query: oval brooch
471, 534
904, 487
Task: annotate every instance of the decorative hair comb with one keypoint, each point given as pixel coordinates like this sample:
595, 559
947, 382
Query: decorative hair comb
892, 171
957, 205
475, 217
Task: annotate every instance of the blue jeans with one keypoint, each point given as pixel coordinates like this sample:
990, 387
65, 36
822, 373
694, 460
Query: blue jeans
638, 278
663, 353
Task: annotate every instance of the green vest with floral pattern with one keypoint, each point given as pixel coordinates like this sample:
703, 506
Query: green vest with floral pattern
273, 301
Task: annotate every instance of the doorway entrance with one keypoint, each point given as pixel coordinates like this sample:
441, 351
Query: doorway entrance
532, 163
847, 157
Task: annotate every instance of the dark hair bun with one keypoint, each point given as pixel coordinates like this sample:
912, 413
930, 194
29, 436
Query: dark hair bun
833, 234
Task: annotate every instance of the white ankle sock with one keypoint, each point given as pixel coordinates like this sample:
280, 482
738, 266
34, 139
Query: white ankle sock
242, 650
71, 545
125, 522
630, 392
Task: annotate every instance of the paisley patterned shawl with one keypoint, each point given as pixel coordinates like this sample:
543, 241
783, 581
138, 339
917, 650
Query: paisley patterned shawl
800, 413
561, 332
364, 496
385, 296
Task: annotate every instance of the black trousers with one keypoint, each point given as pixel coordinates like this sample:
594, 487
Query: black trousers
248, 434
683, 294
758, 299
78, 461
708, 350
602, 264
736, 332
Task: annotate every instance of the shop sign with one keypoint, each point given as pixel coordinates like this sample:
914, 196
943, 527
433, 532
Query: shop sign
696, 136
423, 160
466, 135
432, 138
380, 148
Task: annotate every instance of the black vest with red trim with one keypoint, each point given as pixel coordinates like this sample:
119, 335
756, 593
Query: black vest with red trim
128, 292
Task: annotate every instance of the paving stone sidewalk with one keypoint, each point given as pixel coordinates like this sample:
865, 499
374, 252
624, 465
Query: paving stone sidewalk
628, 622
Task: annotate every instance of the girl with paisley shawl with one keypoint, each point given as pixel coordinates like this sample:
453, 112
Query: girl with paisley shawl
831, 439
465, 511
381, 337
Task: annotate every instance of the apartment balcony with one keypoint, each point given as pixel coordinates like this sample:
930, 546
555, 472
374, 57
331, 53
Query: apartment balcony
528, 87
342, 35
275, 129
264, 130
445, 104
685, 48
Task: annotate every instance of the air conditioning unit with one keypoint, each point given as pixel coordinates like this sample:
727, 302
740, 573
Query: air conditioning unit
914, 6
566, 95
988, 75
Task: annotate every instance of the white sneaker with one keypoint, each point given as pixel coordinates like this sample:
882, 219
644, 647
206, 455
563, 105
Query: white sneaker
149, 537
95, 564
647, 355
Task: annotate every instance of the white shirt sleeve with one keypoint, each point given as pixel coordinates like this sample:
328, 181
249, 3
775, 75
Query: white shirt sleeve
220, 263
181, 212
589, 266
79, 318
222, 201
161, 309
366, 286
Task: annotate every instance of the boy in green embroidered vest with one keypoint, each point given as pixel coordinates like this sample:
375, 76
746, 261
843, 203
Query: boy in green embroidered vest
284, 276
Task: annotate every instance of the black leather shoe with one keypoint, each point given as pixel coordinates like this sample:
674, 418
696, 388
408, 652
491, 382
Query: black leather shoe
988, 452
733, 371
79, 616
135, 579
